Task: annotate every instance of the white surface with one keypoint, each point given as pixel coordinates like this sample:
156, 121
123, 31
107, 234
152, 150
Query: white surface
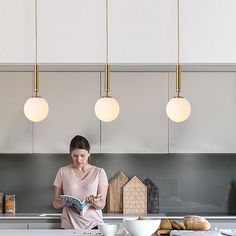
194, 233
54, 233
15, 225
43, 225
142, 31
71, 31
71, 97
207, 31
48, 232
230, 232
211, 125
139, 31
142, 125
16, 129
17, 31
106, 216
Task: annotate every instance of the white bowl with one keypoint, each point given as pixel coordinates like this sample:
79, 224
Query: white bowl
108, 229
141, 227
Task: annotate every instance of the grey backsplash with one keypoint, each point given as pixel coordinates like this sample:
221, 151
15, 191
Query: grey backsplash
188, 183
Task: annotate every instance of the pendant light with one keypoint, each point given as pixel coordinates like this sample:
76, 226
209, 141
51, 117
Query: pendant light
107, 108
36, 108
178, 109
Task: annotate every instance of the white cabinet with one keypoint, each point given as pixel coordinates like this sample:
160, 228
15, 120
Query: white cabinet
13, 225
211, 126
71, 31
41, 225
207, 31
16, 129
71, 97
142, 31
142, 125
17, 31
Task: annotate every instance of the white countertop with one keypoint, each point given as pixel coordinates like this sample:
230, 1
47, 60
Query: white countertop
97, 233
55, 216
54, 232
49, 233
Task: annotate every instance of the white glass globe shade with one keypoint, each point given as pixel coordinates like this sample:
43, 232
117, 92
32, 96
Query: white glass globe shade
36, 109
178, 109
107, 109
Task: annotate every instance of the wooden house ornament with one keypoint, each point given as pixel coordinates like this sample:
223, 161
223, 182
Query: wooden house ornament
135, 197
115, 193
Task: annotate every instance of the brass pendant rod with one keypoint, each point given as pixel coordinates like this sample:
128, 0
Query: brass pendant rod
107, 71
178, 68
107, 80
178, 79
36, 69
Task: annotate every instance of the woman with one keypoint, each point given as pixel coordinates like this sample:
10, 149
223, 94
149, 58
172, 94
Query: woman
83, 181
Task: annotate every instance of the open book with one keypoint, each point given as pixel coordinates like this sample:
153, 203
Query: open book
78, 206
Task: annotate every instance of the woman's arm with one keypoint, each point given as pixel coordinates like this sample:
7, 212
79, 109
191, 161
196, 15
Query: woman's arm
99, 202
57, 203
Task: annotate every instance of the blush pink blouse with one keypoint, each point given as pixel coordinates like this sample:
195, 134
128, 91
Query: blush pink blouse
81, 189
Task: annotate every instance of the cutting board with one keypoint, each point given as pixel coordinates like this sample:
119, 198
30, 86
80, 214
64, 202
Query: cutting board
152, 196
135, 197
115, 193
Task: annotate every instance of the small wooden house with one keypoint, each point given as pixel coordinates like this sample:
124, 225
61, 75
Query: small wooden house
115, 193
135, 197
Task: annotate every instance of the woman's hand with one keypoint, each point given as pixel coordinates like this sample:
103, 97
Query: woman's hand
94, 200
58, 203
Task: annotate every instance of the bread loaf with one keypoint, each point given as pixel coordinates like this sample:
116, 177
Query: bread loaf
165, 224
163, 232
196, 223
177, 225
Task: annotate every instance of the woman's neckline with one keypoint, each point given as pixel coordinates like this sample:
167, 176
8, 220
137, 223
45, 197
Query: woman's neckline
87, 172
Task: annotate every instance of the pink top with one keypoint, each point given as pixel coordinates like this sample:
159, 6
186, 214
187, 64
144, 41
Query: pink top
81, 189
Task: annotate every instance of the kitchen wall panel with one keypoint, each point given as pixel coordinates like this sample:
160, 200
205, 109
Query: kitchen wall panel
17, 31
71, 97
71, 31
16, 129
142, 31
188, 183
207, 32
211, 125
142, 125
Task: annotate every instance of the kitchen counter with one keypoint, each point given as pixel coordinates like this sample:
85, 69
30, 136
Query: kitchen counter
50, 233
45, 221
57, 216
94, 233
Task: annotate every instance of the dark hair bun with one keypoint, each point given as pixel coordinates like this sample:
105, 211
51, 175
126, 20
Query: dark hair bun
79, 142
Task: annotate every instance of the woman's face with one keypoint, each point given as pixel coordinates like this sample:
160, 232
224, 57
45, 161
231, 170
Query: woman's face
80, 157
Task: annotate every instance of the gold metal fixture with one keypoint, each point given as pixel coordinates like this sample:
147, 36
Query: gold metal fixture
107, 108
36, 108
178, 77
107, 80
36, 72
178, 109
